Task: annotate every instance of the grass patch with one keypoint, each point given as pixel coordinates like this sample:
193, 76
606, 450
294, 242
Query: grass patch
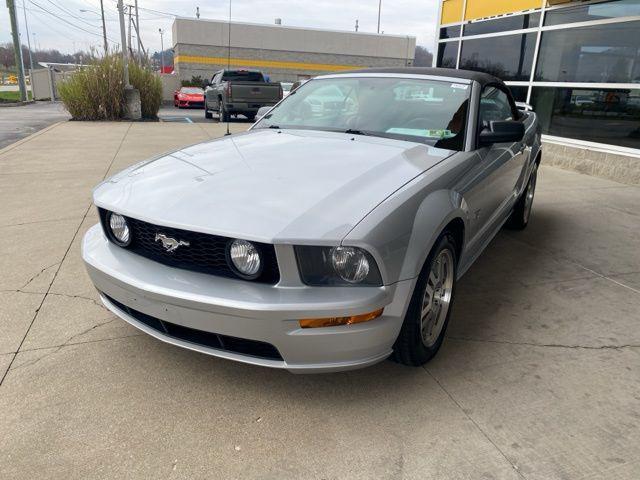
11, 97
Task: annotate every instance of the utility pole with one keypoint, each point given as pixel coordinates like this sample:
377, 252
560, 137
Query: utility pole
379, 12
123, 42
17, 49
356, 24
130, 49
104, 30
161, 51
138, 32
198, 13
26, 26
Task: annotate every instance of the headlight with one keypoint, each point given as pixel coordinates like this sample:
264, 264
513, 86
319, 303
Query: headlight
350, 263
337, 266
119, 229
245, 259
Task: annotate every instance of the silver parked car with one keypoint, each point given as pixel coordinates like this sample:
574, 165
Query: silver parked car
325, 238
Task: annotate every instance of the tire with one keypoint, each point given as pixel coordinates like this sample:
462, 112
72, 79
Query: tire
252, 118
223, 114
416, 345
519, 218
207, 113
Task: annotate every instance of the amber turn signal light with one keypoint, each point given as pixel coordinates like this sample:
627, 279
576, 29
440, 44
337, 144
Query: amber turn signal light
334, 321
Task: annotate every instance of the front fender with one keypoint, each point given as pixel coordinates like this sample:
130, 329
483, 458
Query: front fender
401, 231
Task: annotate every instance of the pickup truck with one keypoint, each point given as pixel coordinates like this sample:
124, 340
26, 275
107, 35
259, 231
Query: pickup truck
233, 92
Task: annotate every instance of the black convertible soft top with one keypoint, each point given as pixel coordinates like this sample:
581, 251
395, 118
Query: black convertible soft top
480, 77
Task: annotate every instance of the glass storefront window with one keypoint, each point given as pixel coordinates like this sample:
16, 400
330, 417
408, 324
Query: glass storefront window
601, 53
508, 57
504, 24
447, 54
450, 32
610, 116
594, 11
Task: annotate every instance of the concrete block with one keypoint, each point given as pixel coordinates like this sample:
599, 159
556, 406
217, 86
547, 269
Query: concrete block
134, 107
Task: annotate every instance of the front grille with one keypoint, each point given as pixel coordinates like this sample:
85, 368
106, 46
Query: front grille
205, 254
253, 348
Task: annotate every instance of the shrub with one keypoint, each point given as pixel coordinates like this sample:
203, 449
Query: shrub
96, 92
150, 87
196, 81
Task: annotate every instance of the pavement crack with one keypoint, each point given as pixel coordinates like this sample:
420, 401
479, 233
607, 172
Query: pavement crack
547, 345
478, 427
37, 275
82, 297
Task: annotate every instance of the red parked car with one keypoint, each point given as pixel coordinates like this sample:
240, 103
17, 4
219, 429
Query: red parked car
187, 97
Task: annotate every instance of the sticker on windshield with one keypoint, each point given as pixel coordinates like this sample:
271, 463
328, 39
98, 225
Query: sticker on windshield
419, 132
460, 86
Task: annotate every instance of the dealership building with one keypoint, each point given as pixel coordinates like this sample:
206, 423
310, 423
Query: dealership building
577, 63
201, 47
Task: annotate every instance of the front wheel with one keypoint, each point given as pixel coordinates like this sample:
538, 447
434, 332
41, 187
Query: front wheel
519, 218
427, 317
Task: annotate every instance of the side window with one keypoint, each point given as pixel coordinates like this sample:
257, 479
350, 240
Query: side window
494, 106
216, 78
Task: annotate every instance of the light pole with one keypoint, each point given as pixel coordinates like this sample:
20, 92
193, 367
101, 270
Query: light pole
123, 42
26, 26
379, 11
104, 27
161, 51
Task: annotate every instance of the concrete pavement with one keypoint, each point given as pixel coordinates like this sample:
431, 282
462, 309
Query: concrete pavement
538, 379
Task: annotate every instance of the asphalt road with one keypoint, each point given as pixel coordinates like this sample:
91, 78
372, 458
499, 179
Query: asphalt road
169, 113
20, 122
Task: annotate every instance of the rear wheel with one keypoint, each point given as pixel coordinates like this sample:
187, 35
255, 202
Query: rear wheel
519, 218
427, 317
207, 113
224, 115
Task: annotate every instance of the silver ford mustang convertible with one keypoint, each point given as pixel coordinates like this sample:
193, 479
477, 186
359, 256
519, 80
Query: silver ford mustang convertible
330, 235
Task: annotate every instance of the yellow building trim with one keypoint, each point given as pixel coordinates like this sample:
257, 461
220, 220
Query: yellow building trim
245, 62
452, 11
482, 8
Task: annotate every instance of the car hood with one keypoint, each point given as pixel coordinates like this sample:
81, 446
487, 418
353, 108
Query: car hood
269, 185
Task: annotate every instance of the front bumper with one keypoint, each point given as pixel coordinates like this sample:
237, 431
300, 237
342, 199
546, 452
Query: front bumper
243, 310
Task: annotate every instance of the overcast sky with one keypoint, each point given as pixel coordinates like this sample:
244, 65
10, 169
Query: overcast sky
404, 17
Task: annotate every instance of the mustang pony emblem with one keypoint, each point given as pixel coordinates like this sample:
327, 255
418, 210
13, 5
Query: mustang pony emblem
170, 244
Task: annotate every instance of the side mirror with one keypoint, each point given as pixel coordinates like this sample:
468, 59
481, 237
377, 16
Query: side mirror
262, 111
502, 132
205, 84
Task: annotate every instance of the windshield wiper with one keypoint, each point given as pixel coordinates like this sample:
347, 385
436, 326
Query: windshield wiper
277, 127
353, 131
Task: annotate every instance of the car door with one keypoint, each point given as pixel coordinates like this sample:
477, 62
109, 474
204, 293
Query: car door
211, 95
494, 177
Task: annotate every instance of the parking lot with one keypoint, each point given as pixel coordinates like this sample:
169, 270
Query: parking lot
539, 377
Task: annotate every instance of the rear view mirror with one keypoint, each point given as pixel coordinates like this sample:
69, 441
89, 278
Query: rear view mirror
262, 111
502, 132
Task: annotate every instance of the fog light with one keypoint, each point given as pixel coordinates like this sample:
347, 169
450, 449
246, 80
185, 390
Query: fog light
335, 321
119, 229
245, 259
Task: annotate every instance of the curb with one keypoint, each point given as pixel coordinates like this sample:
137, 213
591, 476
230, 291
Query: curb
16, 104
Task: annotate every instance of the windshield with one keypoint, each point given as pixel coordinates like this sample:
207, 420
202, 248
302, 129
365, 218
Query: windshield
191, 90
242, 76
426, 111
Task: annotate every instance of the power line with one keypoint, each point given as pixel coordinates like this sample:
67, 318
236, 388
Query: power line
67, 21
